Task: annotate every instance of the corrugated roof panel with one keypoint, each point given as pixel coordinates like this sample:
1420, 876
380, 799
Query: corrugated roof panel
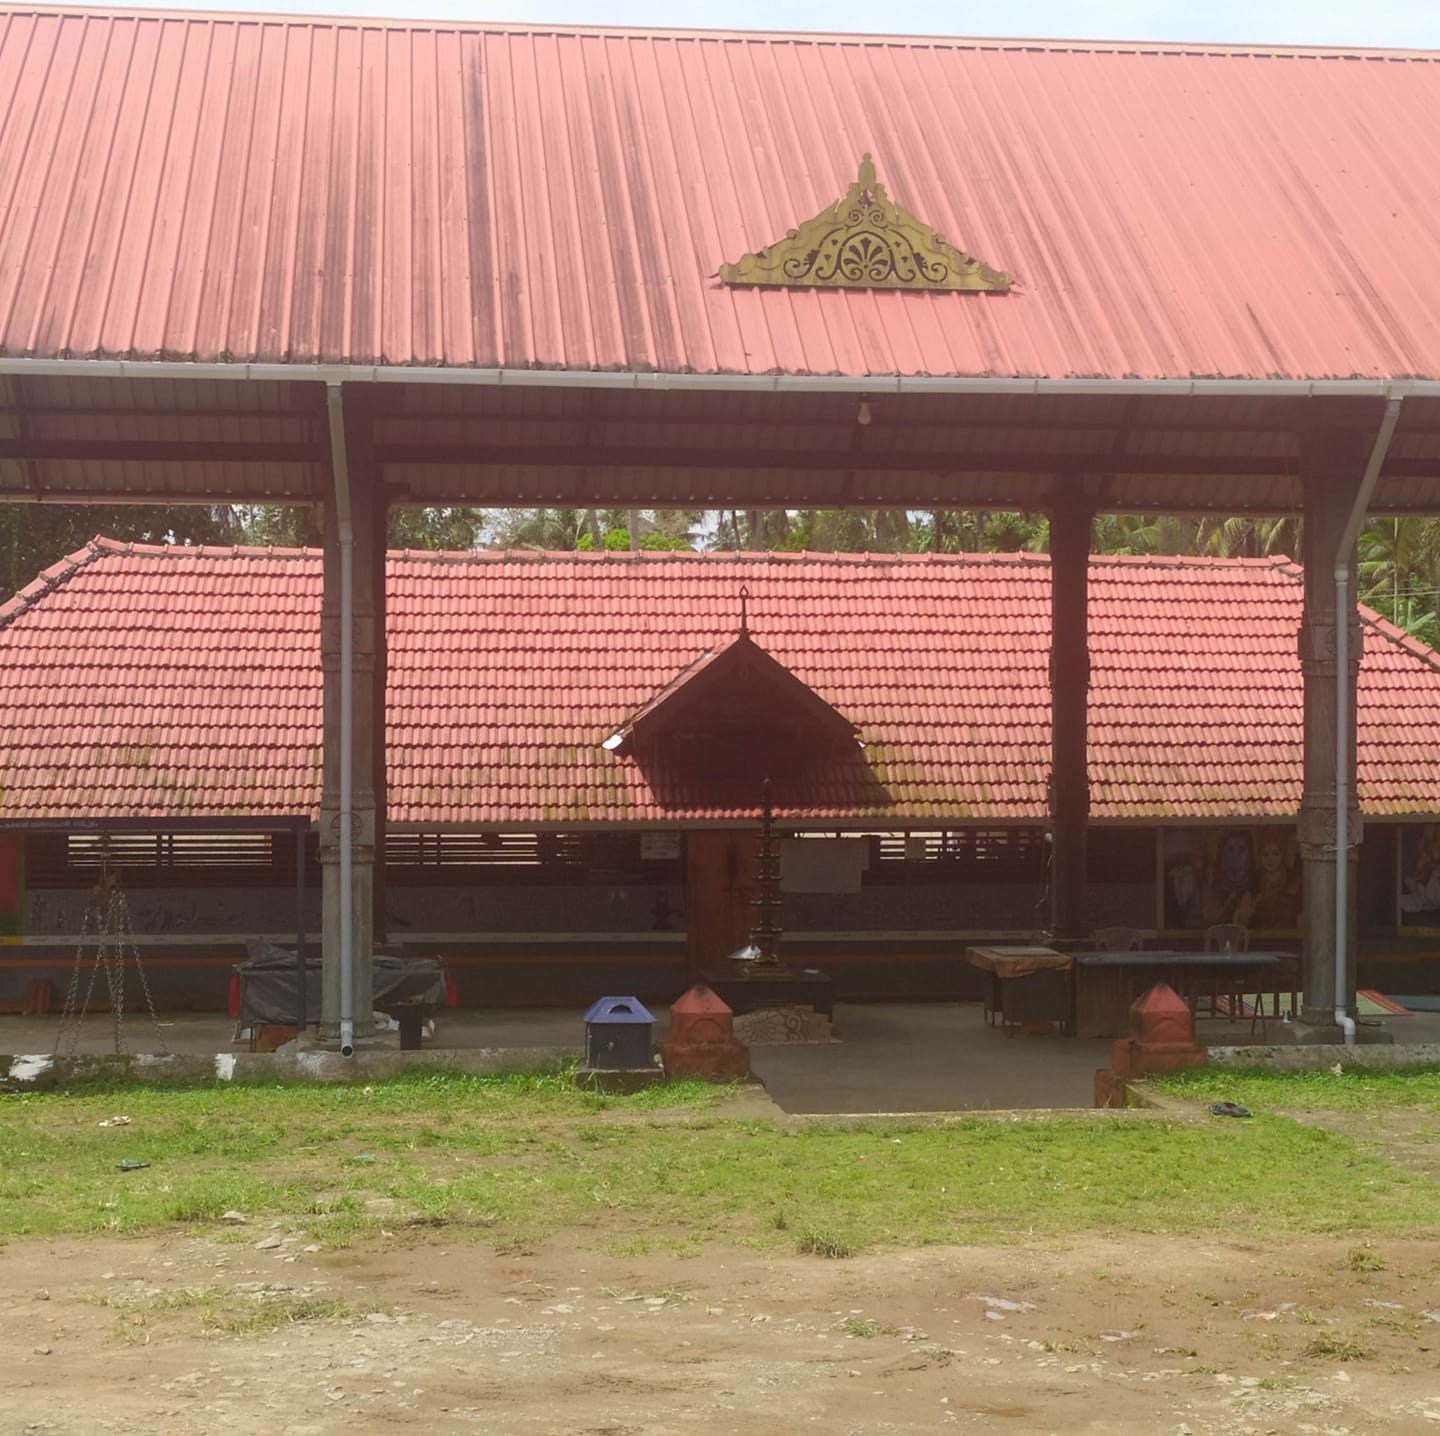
275, 189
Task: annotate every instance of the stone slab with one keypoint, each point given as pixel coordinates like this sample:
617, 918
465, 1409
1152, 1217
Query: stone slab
1307, 1058
44, 1071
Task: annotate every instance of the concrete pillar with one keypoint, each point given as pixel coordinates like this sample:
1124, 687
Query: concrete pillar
1069, 714
367, 511
1331, 465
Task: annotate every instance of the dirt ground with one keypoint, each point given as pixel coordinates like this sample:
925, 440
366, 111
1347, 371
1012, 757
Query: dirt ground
172, 1334
1407, 1136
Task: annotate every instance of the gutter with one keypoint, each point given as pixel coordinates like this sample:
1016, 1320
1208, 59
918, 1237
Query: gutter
341, 470
1345, 750
871, 385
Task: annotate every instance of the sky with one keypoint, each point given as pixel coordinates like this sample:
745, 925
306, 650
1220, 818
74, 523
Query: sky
1385, 23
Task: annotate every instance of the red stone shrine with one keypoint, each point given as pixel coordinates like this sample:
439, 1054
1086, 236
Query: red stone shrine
702, 1041
1162, 1039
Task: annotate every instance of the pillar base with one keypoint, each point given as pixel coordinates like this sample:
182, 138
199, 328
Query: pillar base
1331, 1034
366, 1041
724, 1061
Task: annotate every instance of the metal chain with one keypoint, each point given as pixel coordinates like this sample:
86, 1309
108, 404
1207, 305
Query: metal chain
72, 1019
106, 925
110, 954
126, 935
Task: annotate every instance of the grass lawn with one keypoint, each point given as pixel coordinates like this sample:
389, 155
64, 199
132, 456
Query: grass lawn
1352, 1089
514, 1159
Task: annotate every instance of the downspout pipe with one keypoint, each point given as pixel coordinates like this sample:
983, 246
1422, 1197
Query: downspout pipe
346, 532
1345, 749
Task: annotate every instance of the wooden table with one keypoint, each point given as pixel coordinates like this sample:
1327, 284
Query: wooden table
1024, 984
1106, 983
742, 989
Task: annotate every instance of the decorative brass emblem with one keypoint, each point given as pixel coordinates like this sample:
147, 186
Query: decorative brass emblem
865, 241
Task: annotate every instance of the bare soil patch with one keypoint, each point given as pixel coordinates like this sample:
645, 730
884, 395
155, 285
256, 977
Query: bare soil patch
1407, 1136
420, 1331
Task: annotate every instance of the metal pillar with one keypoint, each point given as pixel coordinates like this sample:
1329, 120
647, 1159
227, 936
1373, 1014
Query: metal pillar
361, 475
1331, 464
302, 1017
1070, 521
380, 780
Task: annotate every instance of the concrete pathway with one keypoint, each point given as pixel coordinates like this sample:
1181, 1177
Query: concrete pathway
891, 1057
932, 1057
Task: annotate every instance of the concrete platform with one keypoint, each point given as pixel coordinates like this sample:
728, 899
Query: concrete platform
891, 1057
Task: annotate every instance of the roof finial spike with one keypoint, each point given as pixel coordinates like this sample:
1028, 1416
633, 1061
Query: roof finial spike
744, 623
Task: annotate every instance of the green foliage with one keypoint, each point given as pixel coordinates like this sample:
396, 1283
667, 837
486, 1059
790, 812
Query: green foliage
1398, 573
280, 525
34, 536
617, 540
551, 530
454, 530
585, 530
986, 532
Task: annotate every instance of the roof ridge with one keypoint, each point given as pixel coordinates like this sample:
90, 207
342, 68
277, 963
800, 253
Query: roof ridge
127, 547
1197, 560
1397, 636
51, 578
101, 544
1021, 557
715, 556
815, 37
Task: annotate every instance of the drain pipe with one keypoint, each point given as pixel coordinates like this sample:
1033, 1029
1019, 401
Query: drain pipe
1345, 750
346, 532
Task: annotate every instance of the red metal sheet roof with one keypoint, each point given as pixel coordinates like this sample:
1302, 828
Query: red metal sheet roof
149, 681
272, 189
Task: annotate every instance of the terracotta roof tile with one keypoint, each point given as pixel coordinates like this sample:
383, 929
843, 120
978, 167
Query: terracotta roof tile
169, 681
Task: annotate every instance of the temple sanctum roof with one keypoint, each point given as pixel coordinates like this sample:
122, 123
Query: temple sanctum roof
158, 682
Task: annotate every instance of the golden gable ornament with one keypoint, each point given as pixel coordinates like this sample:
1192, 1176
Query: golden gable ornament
865, 241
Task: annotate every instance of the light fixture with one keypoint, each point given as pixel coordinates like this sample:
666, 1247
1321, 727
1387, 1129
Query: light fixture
863, 417
613, 742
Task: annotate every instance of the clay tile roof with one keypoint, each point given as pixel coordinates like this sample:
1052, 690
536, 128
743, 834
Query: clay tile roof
151, 681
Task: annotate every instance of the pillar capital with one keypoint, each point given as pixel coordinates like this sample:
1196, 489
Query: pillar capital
1318, 646
1315, 827
362, 826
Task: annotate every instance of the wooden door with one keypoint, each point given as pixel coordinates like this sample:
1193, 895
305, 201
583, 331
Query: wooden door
719, 889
